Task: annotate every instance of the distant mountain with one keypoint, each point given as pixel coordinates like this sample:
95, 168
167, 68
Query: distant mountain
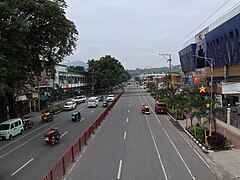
77, 63
139, 71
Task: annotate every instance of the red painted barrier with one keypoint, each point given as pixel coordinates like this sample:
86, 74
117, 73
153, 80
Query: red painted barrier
60, 168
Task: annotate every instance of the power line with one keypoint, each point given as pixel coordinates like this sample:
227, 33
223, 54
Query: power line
198, 26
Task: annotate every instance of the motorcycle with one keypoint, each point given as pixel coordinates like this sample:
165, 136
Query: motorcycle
52, 136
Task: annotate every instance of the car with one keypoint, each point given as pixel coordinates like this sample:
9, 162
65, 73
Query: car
161, 107
70, 105
11, 128
82, 98
77, 99
110, 98
92, 102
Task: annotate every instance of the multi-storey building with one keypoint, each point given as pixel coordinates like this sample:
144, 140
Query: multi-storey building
217, 47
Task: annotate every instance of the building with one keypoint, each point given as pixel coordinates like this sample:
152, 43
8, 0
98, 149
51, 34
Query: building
216, 47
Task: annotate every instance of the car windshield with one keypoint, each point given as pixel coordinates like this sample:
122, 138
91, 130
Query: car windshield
162, 105
68, 103
4, 126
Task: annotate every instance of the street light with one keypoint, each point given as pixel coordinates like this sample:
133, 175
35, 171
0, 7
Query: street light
170, 65
211, 88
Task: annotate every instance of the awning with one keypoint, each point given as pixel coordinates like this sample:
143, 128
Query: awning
22, 98
43, 97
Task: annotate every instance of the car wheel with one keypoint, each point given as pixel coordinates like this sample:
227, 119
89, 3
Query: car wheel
10, 137
21, 131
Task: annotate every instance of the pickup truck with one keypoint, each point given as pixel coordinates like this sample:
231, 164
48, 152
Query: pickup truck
161, 107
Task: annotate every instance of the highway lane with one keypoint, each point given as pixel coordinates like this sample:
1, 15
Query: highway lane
130, 145
28, 157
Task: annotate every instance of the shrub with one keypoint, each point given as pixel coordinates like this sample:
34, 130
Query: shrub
218, 141
57, 108
200, 135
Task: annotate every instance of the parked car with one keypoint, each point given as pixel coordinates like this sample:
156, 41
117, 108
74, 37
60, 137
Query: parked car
70, 105
77, 100
161, 107
11, 128
110, 98
83, 98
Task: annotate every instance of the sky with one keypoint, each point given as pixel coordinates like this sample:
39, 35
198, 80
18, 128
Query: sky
136, 32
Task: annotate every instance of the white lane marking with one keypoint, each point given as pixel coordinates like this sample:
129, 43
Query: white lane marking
197, 153
119, 169
189, 171
64, 134
82, 119
23, 136
156, 148
125, 135
186, 141
127, 120
22, 167
128, 111
129, 105
27, 141
92, 111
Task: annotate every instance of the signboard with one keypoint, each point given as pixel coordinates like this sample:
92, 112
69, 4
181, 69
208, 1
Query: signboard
231, 88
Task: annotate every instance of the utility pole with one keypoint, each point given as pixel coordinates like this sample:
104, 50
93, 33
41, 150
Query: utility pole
170, 65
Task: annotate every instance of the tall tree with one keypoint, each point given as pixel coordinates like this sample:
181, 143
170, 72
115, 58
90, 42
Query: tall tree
108, 71
32, 32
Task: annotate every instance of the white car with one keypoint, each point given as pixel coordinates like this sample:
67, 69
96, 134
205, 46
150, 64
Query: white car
77, 99
70, 105
110, 98
83, 98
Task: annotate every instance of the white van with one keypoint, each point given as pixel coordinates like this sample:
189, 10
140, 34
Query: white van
10, 128
92, 102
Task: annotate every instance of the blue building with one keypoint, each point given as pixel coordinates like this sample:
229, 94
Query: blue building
218, 46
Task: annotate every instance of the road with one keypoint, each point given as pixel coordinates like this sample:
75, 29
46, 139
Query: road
133, 146
28, 157
128, 146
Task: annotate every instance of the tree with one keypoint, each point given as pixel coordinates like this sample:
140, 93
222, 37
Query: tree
32, 32
107, 71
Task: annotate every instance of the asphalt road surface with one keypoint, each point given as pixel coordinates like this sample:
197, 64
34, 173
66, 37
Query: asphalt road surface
133, 146
28, 157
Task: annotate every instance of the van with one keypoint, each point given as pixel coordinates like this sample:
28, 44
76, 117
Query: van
92, 102
11, 128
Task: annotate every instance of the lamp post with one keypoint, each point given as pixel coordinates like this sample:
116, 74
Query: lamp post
211, 88
170, 65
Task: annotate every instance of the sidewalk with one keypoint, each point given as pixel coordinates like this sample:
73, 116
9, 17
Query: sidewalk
229, 160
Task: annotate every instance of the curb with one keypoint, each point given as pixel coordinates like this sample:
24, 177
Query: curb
57, 112
204, 149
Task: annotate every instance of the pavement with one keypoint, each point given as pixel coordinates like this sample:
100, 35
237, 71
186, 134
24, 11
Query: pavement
226, 160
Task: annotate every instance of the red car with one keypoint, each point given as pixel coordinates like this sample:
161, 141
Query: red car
161, 107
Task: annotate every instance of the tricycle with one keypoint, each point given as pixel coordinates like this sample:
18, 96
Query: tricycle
76, 116
27, 121
52, 136
105, 103
47, 116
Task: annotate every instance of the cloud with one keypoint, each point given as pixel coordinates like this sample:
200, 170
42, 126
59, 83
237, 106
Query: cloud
136, 31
